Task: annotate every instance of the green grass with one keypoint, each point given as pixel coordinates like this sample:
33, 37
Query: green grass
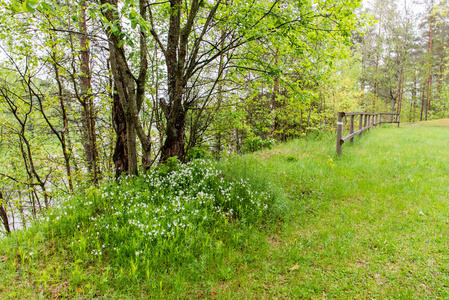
373, 223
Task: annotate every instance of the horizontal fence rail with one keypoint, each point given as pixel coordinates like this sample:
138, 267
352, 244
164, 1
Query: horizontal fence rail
366, 122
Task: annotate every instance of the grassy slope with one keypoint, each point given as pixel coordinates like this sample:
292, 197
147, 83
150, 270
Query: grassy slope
371, 224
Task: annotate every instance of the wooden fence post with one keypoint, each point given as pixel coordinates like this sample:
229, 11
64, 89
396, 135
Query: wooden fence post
365, 121
339, 131
351, 127
361, 122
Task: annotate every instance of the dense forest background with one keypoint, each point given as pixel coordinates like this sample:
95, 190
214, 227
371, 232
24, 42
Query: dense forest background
92, 90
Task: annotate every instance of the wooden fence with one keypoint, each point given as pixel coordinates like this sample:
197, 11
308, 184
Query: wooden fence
366, 122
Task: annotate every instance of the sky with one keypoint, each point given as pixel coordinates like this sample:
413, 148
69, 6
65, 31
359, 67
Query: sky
413, 6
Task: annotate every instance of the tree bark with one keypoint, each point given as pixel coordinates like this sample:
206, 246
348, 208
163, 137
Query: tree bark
64, 132
440, 76
274, 96
120, 156
131, 90
377, 69
88, 114
422, 101
175, 138
4, 215
429, 78
413, 104
400, 92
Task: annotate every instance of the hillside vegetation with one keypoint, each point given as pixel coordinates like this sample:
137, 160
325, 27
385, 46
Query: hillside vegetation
370, 224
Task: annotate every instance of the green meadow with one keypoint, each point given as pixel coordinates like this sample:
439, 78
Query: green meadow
302, 224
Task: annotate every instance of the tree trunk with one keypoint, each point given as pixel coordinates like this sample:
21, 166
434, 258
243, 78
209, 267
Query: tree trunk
4, 215
65, 131
413, 104
217, 147
124, 120
440, 77
130, 90
422, 101
88, 118
29, 164
324, 111
376, 72
400, 92
429, 78
393, 103
233, 141
274, 95
132, 145
120, 156
175, 139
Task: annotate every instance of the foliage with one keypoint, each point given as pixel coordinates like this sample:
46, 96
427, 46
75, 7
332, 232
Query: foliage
153, 218
257, 143
198, 153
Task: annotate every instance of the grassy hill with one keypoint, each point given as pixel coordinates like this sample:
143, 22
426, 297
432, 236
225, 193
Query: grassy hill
370, 224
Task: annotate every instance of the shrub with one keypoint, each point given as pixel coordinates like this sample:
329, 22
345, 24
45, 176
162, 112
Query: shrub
257, 143
168, 215
198, 153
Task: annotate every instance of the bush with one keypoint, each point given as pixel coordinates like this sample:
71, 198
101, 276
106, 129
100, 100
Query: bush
256, 143
167, 216
198, 153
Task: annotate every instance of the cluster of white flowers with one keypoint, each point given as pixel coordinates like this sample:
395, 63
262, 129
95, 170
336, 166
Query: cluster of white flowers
96, 252
156, 207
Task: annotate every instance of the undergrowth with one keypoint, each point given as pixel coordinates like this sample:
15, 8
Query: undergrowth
177, 217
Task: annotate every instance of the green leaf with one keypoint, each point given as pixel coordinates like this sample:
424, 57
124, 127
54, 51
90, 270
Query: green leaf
48, 7
15, 7
92, 14
115, 30
27, 7
30, 5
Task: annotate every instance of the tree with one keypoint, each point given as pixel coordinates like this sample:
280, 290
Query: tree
199, 35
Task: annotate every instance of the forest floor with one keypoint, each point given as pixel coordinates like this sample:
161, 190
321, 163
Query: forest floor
371, 224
